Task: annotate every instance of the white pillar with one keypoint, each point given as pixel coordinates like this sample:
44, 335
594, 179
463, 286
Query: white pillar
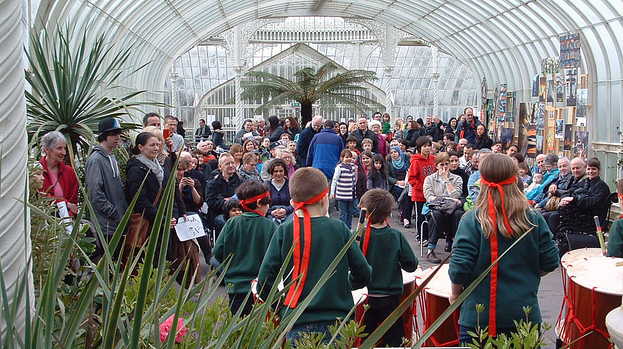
435, 77
15, 248
175, 103
238, 69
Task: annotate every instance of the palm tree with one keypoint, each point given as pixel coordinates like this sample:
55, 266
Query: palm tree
71, 85
310, 86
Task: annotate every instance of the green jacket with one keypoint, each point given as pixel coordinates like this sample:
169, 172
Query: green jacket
615, 241
328, 237
388, 252
245, 237
519, 272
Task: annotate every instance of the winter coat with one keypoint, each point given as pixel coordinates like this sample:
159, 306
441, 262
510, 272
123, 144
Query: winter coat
66, 178
105, 191
324, 151
302, 146
217, 190
368, 134
467, 130
135, 173
420, 168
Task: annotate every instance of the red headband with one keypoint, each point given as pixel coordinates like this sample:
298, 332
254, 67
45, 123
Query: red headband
494, 244
245, 202
301, 265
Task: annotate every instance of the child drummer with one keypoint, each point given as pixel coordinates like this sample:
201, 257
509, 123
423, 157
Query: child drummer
317, 240
387, 251
615, 241
246, 239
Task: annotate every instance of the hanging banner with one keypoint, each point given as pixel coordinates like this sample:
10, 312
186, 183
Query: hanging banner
582, 102
571, 86
502, 103
568, 140
581, 144
570, 51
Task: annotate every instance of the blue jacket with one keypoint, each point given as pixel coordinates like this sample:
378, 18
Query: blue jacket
302, 145
324, 151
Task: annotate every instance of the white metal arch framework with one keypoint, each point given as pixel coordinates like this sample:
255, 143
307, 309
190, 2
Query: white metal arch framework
500, 40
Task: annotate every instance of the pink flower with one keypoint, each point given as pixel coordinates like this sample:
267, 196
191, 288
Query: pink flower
166, 326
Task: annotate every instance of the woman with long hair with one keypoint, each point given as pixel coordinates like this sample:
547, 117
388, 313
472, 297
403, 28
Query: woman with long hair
145, 164
343, 132
502, 215
482, 138
413, 133
275, 130
291, 127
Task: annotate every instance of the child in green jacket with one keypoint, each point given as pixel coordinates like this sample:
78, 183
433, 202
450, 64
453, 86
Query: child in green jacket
317, 240
387, 251
245, 238
615, 240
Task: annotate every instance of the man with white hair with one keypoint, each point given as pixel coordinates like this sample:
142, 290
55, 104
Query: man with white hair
306, 137
561, 185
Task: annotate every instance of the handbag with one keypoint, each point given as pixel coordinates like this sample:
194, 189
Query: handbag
136, 235
447, 206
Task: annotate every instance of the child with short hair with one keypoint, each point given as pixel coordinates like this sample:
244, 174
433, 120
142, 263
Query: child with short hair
366, 144
351, 144
387, 251
343, 186
245, 238
377, 176
231, 208
317, 239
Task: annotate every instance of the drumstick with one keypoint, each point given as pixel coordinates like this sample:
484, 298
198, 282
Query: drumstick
360, 226
600, 235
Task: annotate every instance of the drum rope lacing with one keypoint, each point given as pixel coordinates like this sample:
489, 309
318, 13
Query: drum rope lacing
426, 321
572, 317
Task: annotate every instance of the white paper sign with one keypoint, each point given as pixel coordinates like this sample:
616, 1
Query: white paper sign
191, 228
63, 212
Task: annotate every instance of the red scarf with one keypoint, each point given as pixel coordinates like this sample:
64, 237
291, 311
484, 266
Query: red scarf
248, 201
301, 262
494, 246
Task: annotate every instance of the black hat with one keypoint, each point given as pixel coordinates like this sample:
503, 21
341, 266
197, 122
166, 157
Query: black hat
109, 124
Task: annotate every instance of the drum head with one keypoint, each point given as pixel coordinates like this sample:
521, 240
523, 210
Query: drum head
440, 285
580, 254
600, 274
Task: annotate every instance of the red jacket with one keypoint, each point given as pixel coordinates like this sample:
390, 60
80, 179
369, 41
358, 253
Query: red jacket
67, 179
420, 168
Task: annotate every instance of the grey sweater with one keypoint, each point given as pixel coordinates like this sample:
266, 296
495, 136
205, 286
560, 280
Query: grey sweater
105, 190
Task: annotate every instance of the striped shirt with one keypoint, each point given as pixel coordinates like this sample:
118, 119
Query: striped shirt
344, 181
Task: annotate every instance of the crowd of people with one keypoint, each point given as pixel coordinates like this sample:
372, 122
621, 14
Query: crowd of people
451, 176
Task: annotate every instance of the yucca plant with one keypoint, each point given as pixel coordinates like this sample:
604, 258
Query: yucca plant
310, 86
73, 85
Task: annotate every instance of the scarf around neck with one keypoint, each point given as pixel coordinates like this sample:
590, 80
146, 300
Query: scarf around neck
401, 163
152, 165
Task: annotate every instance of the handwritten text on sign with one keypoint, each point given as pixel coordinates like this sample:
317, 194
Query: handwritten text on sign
191, 228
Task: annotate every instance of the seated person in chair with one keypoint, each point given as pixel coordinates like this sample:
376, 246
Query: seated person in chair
442, 186
591, 198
